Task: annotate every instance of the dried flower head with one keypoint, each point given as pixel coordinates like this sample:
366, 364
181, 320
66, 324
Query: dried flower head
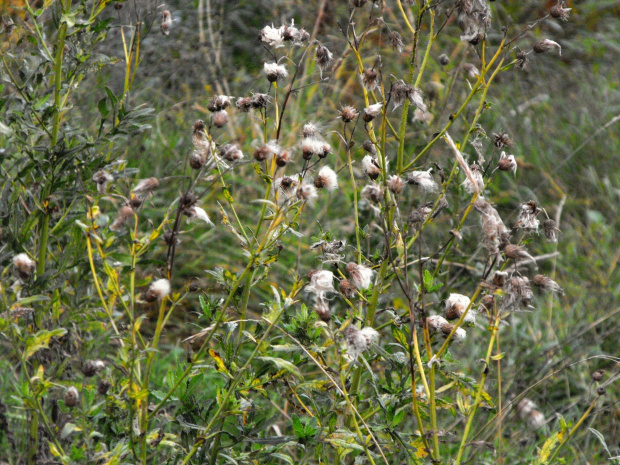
395, 184
321, 282
443, 59
124, 214
529, 413
219, 119
312, 146
371, 167
244, 104
360, 276
435, 322
494, 231
522, 59
307, 193
166, 23
471, 70
455, 306
402, 92
517, 252
102, 179
396, 41
474, 19
92, 367
559, 12
195, 213
423, 179
231, 152
146, 186
507, 163
197, 160
527, 217
310, 130
272, 36
501, 140
372, 192
158, 290
348, 113
487, 304
545, 45
321, 307
274, 72
293, 34
550, 230
219, 103
598, 375
323, 56
24, 266
346, 289
359, 340
476, 182
327, 179
103, 387
517, 294
370, 79
371, 112
546, 283
71, 396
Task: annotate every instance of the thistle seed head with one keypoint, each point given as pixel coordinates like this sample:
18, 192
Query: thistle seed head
327, 179
360, 276
158, 290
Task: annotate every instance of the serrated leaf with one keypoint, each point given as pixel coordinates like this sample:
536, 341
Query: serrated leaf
41, 340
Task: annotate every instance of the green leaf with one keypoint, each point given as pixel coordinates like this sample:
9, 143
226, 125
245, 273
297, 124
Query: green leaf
103, 108
429, 283
41, 340
298, 427
282, 364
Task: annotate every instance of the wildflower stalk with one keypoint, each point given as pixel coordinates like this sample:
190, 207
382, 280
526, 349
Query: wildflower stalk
573, 430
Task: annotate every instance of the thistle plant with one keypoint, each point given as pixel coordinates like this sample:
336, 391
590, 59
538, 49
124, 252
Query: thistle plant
382, 344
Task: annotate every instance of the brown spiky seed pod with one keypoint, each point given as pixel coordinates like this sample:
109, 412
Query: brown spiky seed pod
283, 158
501, 140
261, 153
244, 104
487, 303
559, 12
92, 367
71, 396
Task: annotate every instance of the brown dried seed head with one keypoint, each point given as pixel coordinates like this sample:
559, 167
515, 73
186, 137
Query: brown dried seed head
396, 40
601, 391
196, 161
598, 375
546, 45
220, 119
348, 113
369, 147
71, 396
559, 12
244, 104
501, 140
443, 59
199, 126
103, 387
283, 158
261, 153
346, 288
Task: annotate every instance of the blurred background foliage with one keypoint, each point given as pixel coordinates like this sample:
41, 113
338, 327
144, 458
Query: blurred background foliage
562, 112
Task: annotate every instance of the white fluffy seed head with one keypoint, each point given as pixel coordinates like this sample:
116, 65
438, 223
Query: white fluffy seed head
423, 180
24, 265
158, 290
455, 306
459, 335
195, 214
321, 281
311, 146
475, 183
326, 179
359, 275
307, 193
435, 322
371, 167
272, 36
274, 71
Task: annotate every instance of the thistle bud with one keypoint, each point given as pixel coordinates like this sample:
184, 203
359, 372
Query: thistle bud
102, 179
274, 72
370, 79
103, 387
166, 23
326, 178
546, 283
443, 59
546, 45
507, 163
158, 290
348, 113
559, 12
360, 276
24, 265
220, 118
395, 184
601, 391
124, 214
371, 167
598, 375
146, 186
396, 41
92, 367
71, 396
346, 288
219, 103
